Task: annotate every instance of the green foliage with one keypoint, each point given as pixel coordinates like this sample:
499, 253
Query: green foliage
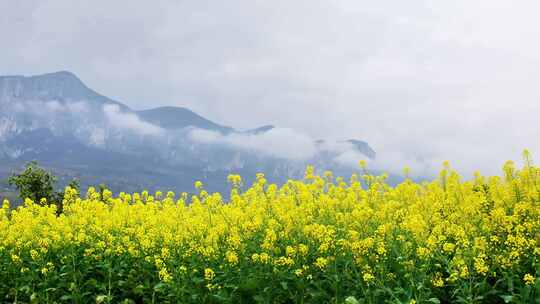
38, 184
34, 183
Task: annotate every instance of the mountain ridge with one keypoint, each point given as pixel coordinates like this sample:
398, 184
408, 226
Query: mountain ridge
62, 86
58, 120
170, 117
162, 116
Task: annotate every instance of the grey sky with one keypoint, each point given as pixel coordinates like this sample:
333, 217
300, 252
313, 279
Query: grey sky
421, 81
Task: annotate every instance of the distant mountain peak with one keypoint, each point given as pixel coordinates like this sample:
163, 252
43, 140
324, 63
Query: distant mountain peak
174, 118
66, 77
61, 86
169, 108
358, 145
64, 74
363, 147
259, 130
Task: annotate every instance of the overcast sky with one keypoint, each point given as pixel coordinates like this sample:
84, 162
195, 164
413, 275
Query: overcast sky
421, 81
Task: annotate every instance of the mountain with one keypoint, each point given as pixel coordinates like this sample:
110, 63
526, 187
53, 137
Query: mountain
363, 147
59, 86
78, 133
259, 130
176, 118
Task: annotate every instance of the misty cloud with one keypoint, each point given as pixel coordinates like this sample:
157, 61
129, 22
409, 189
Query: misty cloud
278, 142
285, 144
344, 153
129, 121
49, 108
79, 107
421, 81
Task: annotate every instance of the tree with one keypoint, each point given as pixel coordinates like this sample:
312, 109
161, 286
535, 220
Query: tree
37, 183
34, 183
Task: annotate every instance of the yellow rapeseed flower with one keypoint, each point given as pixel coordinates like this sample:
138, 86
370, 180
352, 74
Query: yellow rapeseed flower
321, 263
209, 274
528, 279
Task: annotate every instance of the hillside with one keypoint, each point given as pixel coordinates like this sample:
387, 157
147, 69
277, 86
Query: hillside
65, 125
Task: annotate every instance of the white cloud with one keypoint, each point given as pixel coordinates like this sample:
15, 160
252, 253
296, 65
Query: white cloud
345, 153
349, 158
129, 121
54, 106
283, 143
51, 107
421, 81
278, 142
97, 137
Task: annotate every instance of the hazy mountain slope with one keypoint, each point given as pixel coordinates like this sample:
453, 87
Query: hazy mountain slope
174, 118
59, 86
259, 130
56, 119
363, 147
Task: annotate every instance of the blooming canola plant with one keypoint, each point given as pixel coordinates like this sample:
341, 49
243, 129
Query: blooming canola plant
317, 240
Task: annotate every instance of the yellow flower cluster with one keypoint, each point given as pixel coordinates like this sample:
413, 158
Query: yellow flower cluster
447, 234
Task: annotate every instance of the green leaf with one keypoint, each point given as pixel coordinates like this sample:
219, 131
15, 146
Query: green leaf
66, 297
101, 299
507, 298
221, 296
34, 299
434, 300
25, 289
250, 284
351, 300
160, 287
91, 282
121, 283
139, 289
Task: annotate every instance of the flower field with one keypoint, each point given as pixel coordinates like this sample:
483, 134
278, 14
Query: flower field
317, 240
